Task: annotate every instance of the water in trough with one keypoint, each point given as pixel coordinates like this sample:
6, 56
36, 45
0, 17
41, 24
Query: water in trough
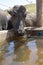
29, 52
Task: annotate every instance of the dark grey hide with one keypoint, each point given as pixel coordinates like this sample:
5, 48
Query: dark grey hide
18, 14
3, 20
30, 20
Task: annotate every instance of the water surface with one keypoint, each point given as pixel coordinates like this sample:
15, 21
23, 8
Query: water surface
22, 53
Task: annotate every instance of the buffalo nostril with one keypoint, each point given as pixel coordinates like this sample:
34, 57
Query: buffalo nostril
19, 31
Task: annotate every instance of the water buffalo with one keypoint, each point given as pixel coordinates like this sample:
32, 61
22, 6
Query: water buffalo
18, 14
30, 20
3, 20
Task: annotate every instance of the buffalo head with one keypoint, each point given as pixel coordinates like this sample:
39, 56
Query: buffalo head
18, 14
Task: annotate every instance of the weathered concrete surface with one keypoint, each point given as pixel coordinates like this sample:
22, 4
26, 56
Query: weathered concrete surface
5, 34
32, 31
33, 28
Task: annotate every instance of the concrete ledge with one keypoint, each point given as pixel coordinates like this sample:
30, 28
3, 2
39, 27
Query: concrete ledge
5, 34
33, 28
34, 31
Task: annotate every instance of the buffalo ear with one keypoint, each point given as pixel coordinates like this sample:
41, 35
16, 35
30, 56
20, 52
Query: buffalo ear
13, 13
9, 11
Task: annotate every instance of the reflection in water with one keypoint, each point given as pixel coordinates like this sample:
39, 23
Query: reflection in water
23, 53
33, 55
10, 49
40, 51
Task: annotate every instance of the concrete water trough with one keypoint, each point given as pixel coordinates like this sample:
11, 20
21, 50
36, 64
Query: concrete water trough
32, 31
